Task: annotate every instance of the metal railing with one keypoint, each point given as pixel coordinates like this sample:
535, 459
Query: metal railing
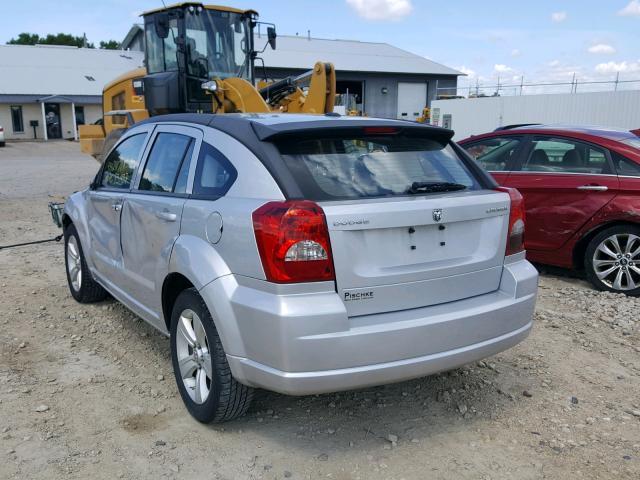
498, 89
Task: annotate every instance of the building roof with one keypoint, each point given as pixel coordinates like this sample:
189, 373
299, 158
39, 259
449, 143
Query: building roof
347, 55
301, 52
59, 70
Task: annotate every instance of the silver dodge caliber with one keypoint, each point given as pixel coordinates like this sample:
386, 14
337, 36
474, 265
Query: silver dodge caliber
302, 254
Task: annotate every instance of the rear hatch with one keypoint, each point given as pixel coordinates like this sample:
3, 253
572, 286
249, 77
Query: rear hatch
394, 255
411, 223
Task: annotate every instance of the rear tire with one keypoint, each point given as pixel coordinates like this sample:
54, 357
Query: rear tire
202, 372
612, 260
81, 284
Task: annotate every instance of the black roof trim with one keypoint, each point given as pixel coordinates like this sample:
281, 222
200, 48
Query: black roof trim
199, 118
516, 125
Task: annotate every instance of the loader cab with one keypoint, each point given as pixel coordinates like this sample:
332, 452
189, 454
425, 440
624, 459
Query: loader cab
189, 44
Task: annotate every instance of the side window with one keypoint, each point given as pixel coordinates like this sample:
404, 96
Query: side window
624, 166
560, 155
165, 160
121, 164
494, 154
214, 173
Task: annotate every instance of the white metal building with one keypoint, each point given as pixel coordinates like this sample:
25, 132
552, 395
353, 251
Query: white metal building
385, 80
472, 116
47, 91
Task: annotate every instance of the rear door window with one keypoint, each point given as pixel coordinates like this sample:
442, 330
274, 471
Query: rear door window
563, 155
495, 154
122, 162
624, 166
334, 168
168, 154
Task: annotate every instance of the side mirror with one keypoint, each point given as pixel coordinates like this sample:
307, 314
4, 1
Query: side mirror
271, 37
161, 24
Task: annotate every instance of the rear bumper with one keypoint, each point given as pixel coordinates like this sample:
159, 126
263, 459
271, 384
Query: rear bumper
307, 383
299, 342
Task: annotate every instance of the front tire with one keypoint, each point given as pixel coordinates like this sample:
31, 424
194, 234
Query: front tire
202, 372
81, 284
612, 260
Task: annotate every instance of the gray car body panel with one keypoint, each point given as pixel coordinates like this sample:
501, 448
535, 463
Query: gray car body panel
305, 338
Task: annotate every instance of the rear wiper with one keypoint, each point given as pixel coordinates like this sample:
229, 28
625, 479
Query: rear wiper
434, 187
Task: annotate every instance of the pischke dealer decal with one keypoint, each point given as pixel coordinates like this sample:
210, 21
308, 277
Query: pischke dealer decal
353, 296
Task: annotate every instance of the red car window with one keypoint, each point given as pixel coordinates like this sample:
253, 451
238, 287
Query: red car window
494, 154
624, 166
560, 155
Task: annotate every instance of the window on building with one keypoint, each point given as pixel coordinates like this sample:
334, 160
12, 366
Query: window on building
79, 115
16, 119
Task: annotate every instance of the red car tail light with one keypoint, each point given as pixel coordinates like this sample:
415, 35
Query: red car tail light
293, 241
515, 238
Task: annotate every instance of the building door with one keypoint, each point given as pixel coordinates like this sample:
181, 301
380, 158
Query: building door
52, 115
412, 98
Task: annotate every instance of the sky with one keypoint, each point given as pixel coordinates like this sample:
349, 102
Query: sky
541, 40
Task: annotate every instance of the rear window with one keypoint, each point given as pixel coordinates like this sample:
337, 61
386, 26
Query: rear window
337, 168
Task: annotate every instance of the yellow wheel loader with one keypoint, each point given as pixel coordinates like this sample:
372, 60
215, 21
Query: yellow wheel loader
200, 59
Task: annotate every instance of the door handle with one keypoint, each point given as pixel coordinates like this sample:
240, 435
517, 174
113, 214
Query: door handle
594, 188
116, 207
167, 216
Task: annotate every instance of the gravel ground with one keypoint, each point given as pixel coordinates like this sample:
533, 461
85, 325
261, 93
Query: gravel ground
87, 391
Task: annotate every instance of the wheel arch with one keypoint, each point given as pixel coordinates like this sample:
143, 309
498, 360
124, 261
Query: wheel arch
174, 284
581, 245
66, 221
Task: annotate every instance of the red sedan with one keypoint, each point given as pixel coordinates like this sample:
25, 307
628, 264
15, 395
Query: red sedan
581, 187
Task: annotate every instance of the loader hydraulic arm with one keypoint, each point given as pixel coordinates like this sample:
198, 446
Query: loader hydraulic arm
287, 95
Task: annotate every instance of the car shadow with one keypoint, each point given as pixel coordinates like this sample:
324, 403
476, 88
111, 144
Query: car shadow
410, 412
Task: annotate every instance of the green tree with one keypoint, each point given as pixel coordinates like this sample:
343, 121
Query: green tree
51, 39
66, 39
25, 39
110, 45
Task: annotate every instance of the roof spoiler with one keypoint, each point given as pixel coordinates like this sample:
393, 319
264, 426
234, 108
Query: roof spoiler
340, 127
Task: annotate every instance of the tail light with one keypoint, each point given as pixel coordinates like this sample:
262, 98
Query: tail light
293, 241
515, 238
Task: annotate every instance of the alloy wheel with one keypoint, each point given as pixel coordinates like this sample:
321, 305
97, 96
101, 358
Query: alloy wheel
194, 359
616, 261
74, 263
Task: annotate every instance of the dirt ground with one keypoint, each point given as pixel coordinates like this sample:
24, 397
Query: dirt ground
87, 391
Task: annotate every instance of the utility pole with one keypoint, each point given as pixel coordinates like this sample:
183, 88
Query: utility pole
615, 89
521, 83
